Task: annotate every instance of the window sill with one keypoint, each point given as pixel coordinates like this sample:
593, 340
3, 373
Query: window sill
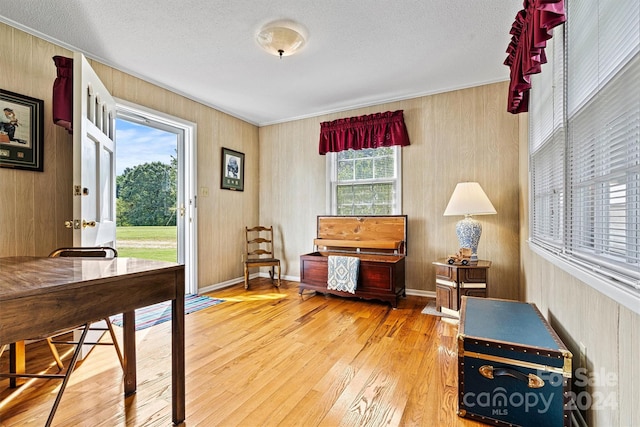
619, 293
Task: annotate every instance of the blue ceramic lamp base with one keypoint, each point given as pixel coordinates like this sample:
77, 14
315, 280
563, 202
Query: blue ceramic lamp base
469, 231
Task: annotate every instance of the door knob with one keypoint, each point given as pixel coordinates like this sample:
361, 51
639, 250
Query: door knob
86, 224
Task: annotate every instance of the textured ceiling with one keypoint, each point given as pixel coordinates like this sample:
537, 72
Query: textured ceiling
358, 53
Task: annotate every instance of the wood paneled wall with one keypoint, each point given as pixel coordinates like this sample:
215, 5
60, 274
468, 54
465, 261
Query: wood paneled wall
33, 206
581, 315
463, 135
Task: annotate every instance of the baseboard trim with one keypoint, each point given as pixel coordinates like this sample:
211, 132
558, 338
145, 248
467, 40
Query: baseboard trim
231, 282
421, 293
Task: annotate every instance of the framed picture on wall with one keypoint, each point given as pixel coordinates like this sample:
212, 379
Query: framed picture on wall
232, 170
21, 131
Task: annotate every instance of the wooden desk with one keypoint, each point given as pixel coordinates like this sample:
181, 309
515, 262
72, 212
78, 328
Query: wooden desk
39, 296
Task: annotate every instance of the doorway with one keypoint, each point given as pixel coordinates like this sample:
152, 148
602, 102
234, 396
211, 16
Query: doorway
155, 188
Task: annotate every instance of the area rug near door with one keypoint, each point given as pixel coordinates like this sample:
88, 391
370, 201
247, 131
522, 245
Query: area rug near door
161, 312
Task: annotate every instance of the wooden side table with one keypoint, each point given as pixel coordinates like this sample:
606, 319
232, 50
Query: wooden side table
453, 281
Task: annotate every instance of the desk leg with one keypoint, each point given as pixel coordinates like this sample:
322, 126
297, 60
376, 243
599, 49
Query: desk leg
16, 363
129, 341
177, 354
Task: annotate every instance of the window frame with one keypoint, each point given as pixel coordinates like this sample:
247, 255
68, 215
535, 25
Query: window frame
332, 182
617, 280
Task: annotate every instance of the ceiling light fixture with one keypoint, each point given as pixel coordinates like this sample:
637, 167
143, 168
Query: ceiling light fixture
282, 38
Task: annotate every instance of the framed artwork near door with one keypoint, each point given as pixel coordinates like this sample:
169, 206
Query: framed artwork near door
232, 170
21, 131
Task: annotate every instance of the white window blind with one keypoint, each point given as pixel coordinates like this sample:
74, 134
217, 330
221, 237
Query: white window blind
547, 147
603, 176
603, 122
585, 174
618, 39
582, 50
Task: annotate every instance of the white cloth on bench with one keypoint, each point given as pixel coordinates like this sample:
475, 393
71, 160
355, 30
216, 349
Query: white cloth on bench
343, 273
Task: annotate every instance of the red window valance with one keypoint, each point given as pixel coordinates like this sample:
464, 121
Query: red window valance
63, 93
530, 31
357, 133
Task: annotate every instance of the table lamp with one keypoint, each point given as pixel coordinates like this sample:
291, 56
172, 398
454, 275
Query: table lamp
469, 199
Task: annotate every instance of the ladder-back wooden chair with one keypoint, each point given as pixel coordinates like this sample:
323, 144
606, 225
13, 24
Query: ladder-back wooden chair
259, 252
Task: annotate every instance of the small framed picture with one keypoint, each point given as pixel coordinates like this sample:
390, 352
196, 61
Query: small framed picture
21, 131
232, 170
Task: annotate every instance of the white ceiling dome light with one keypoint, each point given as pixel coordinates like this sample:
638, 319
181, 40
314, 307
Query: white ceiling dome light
282, 38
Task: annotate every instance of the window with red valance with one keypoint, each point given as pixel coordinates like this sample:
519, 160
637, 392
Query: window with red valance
370, 131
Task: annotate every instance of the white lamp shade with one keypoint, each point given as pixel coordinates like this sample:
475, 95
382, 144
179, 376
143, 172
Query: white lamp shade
468, 198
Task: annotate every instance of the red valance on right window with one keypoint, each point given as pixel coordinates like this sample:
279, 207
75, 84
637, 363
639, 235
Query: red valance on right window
357, 133
530, 31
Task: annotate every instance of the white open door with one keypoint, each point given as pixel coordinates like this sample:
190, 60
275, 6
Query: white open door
94, 166
94, 173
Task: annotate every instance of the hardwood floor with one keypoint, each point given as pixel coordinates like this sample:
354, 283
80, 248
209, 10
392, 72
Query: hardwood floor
266, 357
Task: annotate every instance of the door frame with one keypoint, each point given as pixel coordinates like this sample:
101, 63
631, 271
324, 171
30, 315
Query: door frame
188, 154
